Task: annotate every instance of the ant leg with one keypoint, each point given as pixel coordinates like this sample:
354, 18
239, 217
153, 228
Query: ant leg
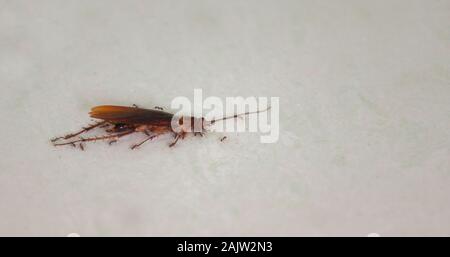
114, 137
140, 143
85, 129
158, 108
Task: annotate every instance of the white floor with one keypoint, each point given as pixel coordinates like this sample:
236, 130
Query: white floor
364, 91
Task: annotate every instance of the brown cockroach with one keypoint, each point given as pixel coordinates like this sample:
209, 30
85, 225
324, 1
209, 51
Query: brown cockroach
120, 121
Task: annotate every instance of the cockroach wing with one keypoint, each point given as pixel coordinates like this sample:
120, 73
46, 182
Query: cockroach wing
131, 115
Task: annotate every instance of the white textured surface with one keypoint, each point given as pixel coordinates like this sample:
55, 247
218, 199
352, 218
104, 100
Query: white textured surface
364, 91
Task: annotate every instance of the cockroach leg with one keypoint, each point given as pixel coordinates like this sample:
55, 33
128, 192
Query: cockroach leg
135, 106
140, 143
158, 108
105, 125
198, 133
176, 140
81, 145
114, 137
85, 129
112, 141
223, 138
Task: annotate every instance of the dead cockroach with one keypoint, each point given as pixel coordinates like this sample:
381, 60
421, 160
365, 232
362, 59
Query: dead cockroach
120, 121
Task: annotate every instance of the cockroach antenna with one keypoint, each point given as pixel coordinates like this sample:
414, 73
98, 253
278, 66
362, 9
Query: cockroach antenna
238, 115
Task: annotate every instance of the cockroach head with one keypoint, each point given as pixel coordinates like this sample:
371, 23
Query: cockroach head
193, 124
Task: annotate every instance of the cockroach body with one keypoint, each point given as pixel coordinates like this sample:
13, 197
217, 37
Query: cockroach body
120, 121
